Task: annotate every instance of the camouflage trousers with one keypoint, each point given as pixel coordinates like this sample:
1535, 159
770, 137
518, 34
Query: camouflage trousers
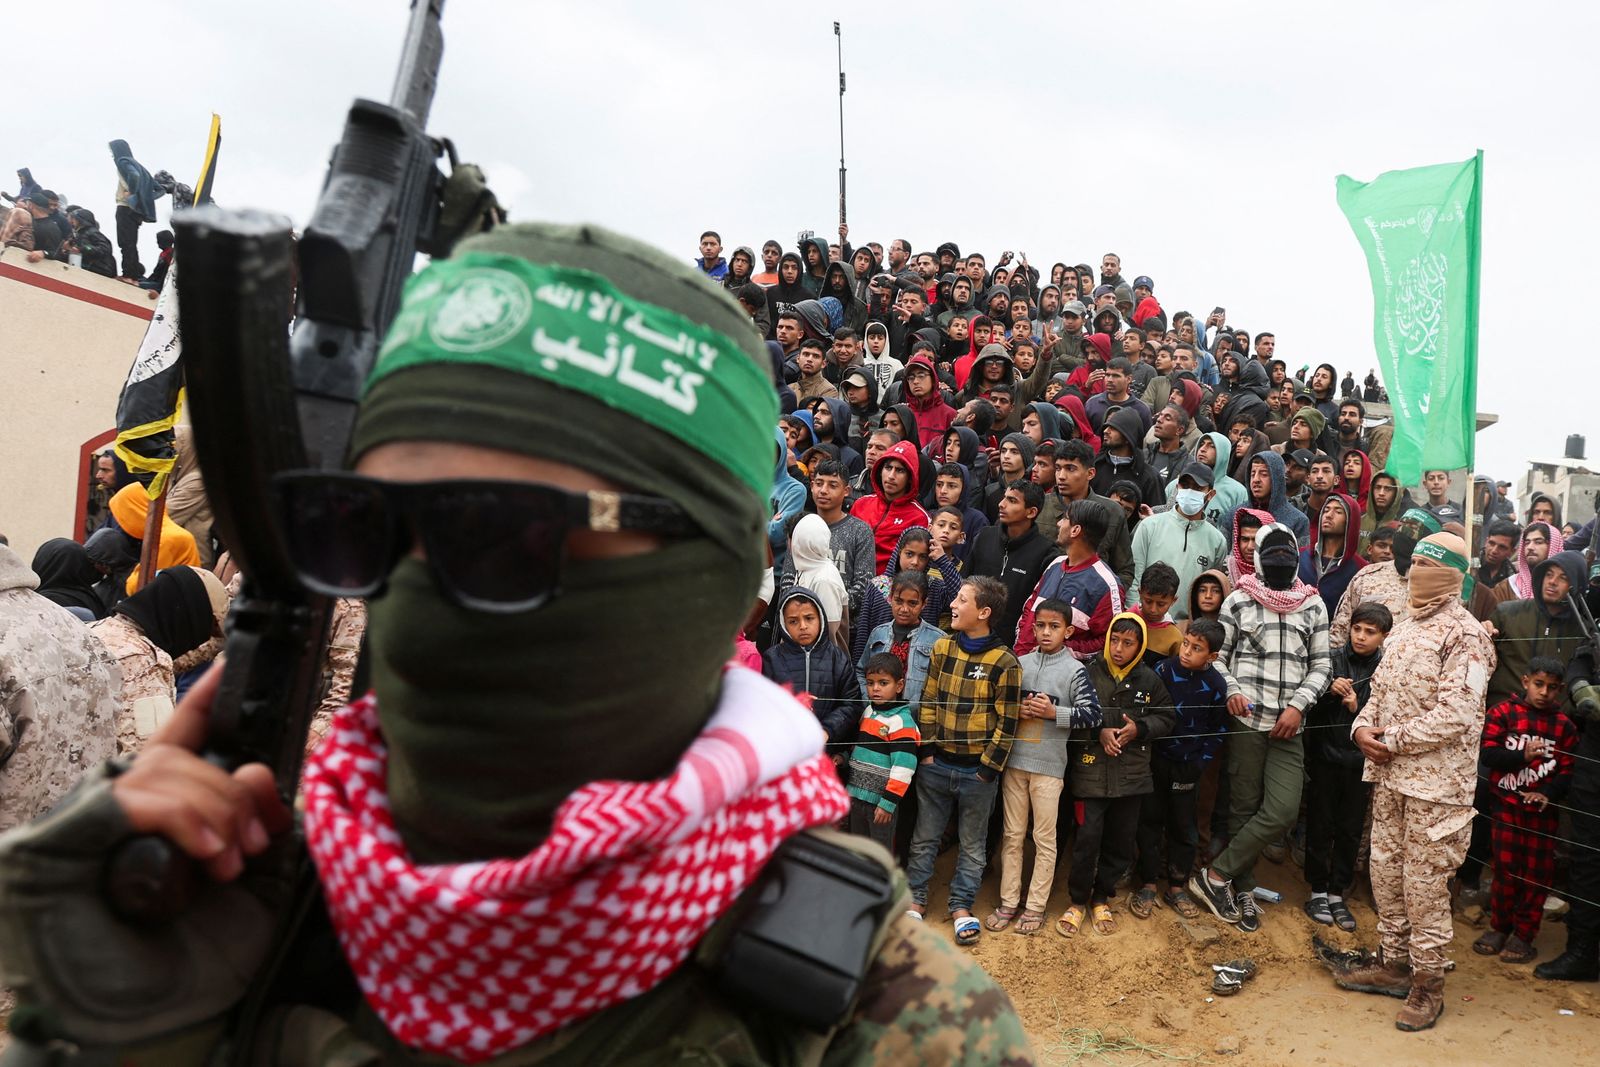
1416, 846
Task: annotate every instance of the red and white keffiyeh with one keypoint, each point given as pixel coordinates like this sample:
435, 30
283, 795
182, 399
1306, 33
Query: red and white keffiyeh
472, 960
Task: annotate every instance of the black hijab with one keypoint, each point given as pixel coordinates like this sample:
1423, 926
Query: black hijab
66, 576
174, 611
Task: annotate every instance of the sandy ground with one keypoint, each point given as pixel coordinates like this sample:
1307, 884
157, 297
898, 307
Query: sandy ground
1153, 978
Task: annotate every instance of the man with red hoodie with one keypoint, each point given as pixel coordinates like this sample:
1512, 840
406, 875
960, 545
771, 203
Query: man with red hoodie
892, 509
1329, 561
927, 404
1090, 377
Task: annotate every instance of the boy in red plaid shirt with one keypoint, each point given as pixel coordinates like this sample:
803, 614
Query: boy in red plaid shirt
1527, 748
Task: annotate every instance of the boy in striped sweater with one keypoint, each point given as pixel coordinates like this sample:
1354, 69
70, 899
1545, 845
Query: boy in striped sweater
885, 754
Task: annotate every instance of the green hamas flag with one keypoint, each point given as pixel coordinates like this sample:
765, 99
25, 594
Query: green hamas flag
1420, 229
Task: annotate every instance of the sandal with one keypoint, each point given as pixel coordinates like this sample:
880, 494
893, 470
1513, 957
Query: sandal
1518, 951
968, 930
999, 918
1181, 902
1226, 984
1105, 924
1318, 910
1071, 922
1029, 921
1341, 915
1142, 902
912, 912
1489, 943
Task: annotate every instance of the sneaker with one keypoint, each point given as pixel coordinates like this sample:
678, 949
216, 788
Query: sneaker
1249, 912
1219, 898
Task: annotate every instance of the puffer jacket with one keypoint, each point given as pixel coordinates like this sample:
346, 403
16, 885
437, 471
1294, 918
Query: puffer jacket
821, 668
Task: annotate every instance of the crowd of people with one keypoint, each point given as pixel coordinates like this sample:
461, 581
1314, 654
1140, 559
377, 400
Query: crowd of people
48, 225
1043, 563
1041, 547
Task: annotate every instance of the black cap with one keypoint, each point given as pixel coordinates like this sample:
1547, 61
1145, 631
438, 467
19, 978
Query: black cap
1199, 473
1301, 457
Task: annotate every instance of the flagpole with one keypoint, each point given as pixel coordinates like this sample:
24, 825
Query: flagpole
1475, 242
840, 41
149, 550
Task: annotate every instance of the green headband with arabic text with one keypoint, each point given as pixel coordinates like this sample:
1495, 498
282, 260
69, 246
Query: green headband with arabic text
575, 329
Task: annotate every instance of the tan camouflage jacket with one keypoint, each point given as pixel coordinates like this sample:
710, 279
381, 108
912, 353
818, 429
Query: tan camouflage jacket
1378, 582
1427, 698
148, 682
345, 631
58, 697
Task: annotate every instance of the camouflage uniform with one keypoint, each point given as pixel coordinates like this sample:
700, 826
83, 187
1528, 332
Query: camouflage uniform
1427, 697
348, 627
1376, 582
58, 697
148, 681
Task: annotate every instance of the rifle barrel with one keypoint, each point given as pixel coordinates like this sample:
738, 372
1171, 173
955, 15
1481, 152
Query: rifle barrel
418, 76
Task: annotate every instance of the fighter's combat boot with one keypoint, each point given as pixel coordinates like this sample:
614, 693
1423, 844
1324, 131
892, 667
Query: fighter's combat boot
1579, 963
1424, 1005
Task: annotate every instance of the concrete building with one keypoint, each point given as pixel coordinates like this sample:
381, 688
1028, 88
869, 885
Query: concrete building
67, 340
1570, 480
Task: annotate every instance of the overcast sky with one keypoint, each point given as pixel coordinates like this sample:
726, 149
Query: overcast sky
1198, 141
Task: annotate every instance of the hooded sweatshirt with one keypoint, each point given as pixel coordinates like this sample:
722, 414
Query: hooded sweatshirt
997, 488
1109, 468
813, 282
788, 499
1530, 627
890, 519
1229, 493
1193, 610
1189, 546
136, 189
780, 294
1133, 694
733, 282
1278, 505
811, 556
933, 415
944, 579
1372, 516
1332, 575
820, 668
1097, 353
882, 368
855, 312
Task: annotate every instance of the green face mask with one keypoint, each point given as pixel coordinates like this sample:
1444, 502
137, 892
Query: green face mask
493, 720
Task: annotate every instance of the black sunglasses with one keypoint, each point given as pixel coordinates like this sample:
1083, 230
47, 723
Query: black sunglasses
492, 546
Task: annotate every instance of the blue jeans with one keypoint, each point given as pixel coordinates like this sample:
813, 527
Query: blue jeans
942, 789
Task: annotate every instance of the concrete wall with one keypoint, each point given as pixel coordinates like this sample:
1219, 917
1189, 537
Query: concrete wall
67, 339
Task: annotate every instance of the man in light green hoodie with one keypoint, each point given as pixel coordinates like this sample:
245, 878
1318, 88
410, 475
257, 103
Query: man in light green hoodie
1214, 450
1181, 536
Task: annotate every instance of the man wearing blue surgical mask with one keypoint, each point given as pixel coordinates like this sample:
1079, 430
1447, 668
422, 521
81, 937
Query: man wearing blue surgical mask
1181, 536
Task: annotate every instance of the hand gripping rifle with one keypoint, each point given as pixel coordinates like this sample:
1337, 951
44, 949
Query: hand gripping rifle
263, 402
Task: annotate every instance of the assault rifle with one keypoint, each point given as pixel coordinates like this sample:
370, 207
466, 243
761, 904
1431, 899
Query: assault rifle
263, 401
